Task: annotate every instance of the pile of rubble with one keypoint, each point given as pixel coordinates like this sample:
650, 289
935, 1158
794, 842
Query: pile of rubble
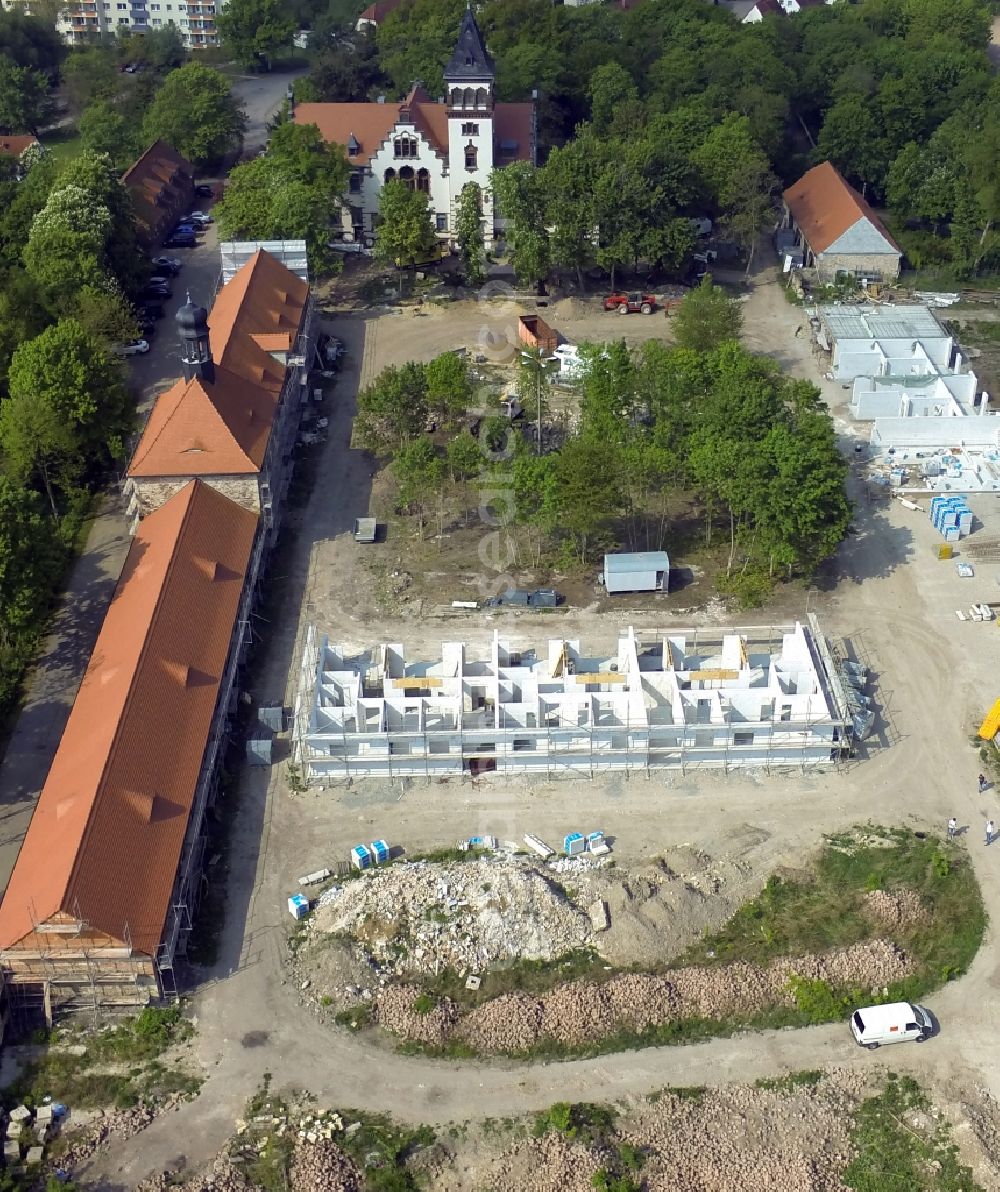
222, 1176
466, 916
895, 908
583, 1012
106, 1126
322, 1166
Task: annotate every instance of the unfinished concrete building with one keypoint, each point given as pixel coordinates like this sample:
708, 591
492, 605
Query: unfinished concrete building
750, 697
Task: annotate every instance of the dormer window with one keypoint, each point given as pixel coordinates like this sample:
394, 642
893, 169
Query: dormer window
404, 147
471, 157
353, 146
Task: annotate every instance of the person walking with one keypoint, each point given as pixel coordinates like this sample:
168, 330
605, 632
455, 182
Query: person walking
983, 783
990, 831
952, 828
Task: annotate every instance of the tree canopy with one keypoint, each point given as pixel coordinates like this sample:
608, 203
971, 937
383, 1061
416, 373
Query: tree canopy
196, 112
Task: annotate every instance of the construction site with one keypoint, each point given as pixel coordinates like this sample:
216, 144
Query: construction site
767, 697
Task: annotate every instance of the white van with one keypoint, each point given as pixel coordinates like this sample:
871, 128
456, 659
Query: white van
895, 1023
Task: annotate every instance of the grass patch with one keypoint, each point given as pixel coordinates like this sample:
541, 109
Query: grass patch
826, 909
84, 1079
62, 142
894, 1153
519, 976
381, 1148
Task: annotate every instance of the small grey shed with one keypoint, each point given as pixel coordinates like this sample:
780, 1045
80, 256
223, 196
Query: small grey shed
639, 571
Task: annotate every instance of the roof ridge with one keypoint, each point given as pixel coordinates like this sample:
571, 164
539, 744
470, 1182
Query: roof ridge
195, 486
195, 384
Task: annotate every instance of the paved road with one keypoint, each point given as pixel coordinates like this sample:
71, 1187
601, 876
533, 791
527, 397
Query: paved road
53, 682
261, 96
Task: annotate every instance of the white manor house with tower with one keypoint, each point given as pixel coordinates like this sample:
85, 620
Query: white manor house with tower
433, 145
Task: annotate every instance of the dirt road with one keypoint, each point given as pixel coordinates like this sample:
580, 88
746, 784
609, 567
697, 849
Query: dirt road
935, 676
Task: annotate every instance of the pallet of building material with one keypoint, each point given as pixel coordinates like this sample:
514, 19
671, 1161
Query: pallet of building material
538, 846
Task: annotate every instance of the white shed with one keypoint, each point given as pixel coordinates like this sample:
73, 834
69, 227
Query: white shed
640, 571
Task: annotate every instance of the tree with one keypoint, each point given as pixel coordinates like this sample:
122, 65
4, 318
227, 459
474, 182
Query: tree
195, 111
69, 378
405, 235
293, 190
519, 198
103, 129
469, 233
39, 444
163, 48
707, 317
465, 456
105, 314
613, 96
22, 315
31, 559
253, 29
449, 386
25, 102
65, 249
419, 473
89, 74
569, 184
31, 41
393, 409
587, 488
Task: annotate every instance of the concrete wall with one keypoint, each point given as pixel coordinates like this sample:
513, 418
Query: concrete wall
876, 266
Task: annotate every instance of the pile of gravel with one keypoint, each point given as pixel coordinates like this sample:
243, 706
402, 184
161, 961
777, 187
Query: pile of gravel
583, 1012
895, 908
547, 1164
222, 1176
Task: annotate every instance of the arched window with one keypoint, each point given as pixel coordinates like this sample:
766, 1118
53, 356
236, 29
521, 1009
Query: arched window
390, 175
471, 157
468, 97
481, 97
423, 180
406, 177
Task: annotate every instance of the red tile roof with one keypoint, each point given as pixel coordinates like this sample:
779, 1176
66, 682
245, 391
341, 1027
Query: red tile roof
161, 183
104, 843
15, 146
372, 124
200, 428
376, 13
824, 206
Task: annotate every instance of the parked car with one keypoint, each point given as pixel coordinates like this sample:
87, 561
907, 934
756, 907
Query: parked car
147, 328
198, 218
184, 226
150, 310
156, 290
204, 191
167, 264
626, 304
185, 239
895, 1023
136, 347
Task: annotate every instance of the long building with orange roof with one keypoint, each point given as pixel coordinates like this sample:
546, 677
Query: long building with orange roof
100, 903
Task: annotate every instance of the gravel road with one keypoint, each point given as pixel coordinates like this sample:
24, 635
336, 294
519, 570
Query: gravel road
935, 677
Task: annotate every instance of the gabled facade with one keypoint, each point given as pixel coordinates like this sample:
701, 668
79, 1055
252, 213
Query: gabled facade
837, 229
231, 421
436, 146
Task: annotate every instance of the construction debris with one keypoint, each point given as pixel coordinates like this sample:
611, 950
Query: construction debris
466, 916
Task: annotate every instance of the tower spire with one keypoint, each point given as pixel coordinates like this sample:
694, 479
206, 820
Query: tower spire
470, 61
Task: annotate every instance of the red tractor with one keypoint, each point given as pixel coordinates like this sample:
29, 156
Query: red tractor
630, 304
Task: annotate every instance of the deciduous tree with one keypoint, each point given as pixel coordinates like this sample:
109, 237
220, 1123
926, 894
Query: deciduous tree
253, 29
405, 234
196, 112
469, 233
707, 317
